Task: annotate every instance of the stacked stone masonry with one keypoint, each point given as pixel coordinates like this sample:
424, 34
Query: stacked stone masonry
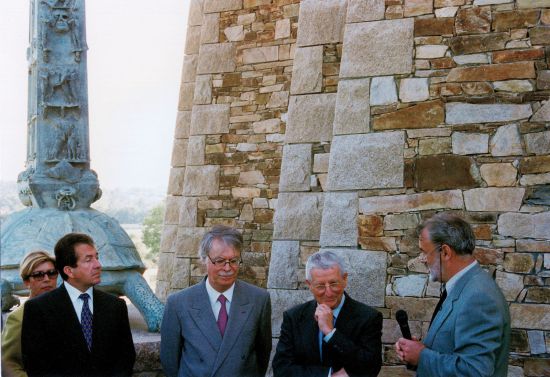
342, 124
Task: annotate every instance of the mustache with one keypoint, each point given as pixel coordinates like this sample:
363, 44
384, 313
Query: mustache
226, 273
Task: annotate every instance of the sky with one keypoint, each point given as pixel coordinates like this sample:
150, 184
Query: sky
135, 57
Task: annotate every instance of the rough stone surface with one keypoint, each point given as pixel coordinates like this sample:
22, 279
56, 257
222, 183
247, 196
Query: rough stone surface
307, 75
216, 58
540, 35
510, 284
518, 262
352, 114
298, 216
296, 168
525, 4
417, 7
470, 143
234, 33
321, 22
210, 29
499, 174
188, 212
189, 69
451, 199
283, 265
195, 150
366, 279
192, 43
516, 86
517, 55
494, 199
391, 41
471, 44
422, 115
282, 300
418, 310
412, 285
360, 10
414, 90
339, 225
535, 164
463, 113
438, 145
445, 172
383, 91
506, 141
401, 221
522, 225
179, 151
282, 29
471, 59
203, 90
188, 241
431, 51
310, 118
320, 162
433, 26
493, 72
260, 54
210, 119
537, 143
211, 6
201, 180
473, 20
376, 160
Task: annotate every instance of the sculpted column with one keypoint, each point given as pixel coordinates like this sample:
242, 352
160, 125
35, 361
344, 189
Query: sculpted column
58, 184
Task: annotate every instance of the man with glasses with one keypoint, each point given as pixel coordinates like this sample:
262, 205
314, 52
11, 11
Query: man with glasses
469, 334
220, 327
332, 335
76, 329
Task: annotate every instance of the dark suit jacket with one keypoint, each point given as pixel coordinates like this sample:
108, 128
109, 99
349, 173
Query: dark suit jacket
356, 343
191, 343
53, 344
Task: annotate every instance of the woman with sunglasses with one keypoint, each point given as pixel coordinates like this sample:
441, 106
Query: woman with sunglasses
39, 275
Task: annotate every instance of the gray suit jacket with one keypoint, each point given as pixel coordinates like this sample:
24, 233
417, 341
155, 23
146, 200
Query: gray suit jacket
191, 343
471, 334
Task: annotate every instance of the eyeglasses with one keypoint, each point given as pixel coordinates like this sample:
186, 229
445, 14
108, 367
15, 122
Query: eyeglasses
321, 288
220, 263
424, 254
39, 275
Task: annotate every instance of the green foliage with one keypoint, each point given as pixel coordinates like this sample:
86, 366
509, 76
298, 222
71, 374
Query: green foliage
152, 227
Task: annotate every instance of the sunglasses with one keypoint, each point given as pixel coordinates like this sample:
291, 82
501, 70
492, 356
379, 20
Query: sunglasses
41, 274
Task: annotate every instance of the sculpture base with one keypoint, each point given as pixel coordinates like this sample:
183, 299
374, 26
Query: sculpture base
39, 229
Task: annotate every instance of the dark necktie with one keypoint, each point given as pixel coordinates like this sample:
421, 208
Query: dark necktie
439, 304
86, 320
222, 317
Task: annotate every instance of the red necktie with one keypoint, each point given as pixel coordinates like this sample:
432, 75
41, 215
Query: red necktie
222, 317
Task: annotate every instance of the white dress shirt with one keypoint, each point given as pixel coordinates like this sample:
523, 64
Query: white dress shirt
74, 294
213, 296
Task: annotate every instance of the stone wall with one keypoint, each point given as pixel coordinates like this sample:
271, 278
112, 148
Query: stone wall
341, 124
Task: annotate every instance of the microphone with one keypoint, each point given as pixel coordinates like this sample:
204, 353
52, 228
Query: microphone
403, 321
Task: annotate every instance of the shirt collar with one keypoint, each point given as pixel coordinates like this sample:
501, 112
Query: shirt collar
214, 294
74, 293
336, 311
452, 281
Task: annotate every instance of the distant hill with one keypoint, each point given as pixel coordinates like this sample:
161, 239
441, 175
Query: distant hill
128, 206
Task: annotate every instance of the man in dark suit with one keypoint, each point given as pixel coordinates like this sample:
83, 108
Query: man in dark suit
470, 330
220, 327
77, 330
332, 335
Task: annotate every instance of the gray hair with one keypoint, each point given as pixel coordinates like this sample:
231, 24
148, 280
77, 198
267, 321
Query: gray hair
449, 229
325, 260
229, 236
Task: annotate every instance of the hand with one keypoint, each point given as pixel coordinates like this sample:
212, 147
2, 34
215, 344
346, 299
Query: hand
340, 373
409, 350
324, 318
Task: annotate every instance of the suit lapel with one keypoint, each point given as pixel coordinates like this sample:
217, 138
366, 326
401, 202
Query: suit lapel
310, 330
240, 311
202, 315
449, 304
